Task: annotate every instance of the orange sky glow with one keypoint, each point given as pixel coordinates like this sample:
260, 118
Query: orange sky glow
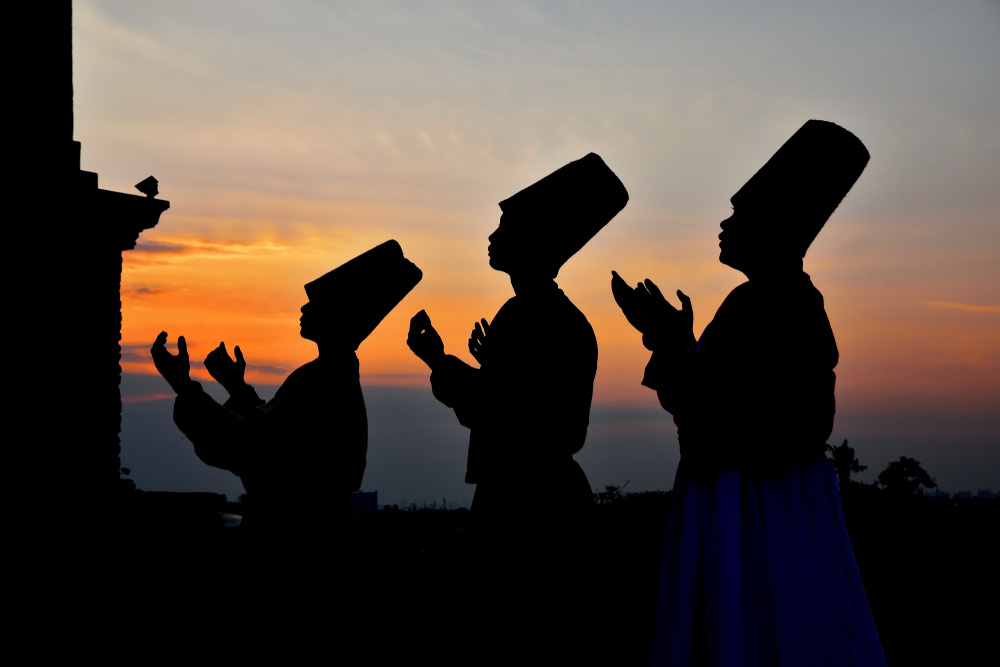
290, 140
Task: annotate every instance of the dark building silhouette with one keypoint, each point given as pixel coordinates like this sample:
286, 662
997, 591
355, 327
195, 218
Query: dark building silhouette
66, 237
68, 304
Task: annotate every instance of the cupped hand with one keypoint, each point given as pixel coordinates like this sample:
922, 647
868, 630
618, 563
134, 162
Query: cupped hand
633, 302
425, 342
175, 369
477, 341
659, 322
671, 327
224, 370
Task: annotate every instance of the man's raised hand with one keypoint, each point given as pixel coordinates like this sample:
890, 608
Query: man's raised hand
646, 309
477, 341
226, 372
175, 369
425, 342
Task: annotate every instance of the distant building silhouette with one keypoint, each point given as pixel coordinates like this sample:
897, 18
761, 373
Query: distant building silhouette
365, 501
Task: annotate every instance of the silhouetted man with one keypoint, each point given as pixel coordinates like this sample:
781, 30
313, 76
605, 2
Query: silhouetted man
528, 404
301, 454
758, 567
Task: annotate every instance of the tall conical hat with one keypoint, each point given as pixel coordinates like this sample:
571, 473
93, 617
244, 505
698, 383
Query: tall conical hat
366, 288
568, 207
804, 182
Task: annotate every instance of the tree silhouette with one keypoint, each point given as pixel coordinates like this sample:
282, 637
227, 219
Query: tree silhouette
844, 463
905, 477
610, 494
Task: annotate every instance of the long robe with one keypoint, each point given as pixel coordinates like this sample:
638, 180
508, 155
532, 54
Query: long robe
528, 408
758, 567
307, 444
299, 456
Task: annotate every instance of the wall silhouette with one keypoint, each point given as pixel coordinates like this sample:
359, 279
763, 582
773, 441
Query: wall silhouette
66, 314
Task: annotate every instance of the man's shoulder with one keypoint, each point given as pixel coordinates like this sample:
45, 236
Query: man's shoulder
321, 372
555, 309
305, 372
573, 315
554, 315
798, 292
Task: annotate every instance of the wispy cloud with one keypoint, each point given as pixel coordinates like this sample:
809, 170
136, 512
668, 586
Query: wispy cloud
267, 370
139, 354
148, 397
311, 135
205, 247
160, 247
144, 292
969, 307
136, 354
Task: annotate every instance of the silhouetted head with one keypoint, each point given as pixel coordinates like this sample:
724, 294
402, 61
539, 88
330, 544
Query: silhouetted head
346, 304
513, 250
781, 209
546, 223
750, 242
319, 324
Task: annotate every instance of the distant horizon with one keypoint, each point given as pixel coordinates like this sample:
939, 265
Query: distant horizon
407, 504
178, 454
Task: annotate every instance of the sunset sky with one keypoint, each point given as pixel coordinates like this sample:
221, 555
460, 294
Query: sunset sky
290, 137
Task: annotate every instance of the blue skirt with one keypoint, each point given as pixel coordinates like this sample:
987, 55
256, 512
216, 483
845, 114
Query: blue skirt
758, 570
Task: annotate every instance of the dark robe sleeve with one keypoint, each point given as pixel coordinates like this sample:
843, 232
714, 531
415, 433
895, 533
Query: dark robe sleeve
540, 373
559, 389
669, 375
317, 421
797, 381
216, 432
244, 401
317, 418
457, 385
758, 391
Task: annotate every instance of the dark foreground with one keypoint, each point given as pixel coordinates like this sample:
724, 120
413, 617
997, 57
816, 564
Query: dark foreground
929, 567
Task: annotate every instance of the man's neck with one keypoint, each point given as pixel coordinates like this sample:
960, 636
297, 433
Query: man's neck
528, 284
